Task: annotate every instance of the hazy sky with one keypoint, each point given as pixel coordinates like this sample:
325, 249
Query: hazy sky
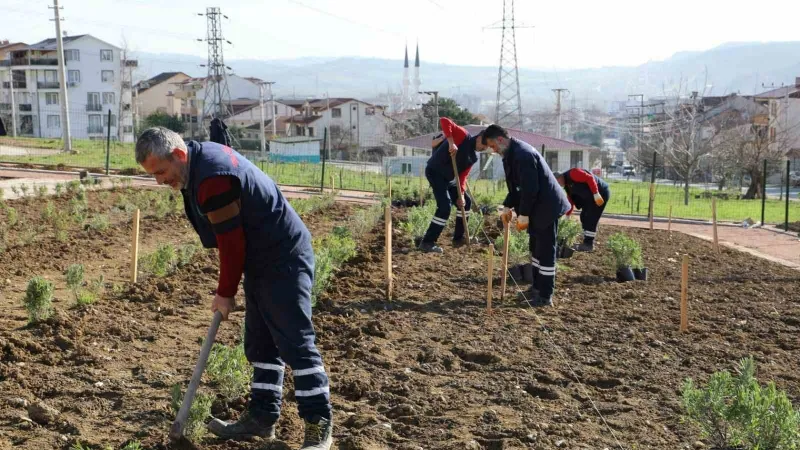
566, 33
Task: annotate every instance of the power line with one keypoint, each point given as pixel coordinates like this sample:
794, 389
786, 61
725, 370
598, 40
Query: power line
382, 30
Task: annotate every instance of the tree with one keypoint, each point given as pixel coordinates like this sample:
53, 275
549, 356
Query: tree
593, 137
426, 121
162, 119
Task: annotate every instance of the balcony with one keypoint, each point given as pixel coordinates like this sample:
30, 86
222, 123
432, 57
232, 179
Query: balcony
94, 129
44, 61
17, 85
94, 107
5, 106
25, 107
48, 84
29, 62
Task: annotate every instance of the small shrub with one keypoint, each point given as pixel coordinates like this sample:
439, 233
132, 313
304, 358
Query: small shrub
229, 370
15, 190
200, 410
161, 262
77, 210
12, 218
417, 221
59, 188
24, 188
99, 223
624, 251
568, 232
38, 299
475, 224
49, 212
74, 275
73, 187
81, 195
186, 253
736, 411
127, 182
41, 191
60, 223
364, 220
330, 252
133, 445
84, 297
518, 246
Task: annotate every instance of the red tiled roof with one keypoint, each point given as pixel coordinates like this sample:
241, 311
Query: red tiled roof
535, 140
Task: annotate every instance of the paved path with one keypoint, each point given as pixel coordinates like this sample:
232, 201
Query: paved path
777, 246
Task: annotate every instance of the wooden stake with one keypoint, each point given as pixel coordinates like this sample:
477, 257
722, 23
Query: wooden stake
390, 190
388, 220
333, 186
491, 278
135, 247
461, 194
504, 269
669, 224
652, 203
684, 293
714, 223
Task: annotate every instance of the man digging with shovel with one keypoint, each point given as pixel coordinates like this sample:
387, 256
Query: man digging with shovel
439, 172
235, 207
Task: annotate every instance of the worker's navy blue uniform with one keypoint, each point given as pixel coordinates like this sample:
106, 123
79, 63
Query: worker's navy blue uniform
278, 275
533, 191
581, 195
439, 172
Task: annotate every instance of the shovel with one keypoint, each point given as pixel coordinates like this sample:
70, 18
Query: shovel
176, 432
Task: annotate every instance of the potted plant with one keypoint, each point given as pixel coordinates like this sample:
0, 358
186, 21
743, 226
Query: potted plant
639, 271
518, 254
567, 237
625, 253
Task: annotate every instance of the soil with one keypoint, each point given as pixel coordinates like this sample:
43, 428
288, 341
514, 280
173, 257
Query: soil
431, 368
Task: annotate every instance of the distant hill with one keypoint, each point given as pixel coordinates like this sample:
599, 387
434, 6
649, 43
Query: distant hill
731, 67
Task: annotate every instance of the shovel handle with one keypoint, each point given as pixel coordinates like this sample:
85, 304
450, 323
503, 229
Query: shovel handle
176, 432
460, 194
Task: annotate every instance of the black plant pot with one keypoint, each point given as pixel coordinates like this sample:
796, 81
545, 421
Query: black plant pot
625, 274
640, 274
565, 252
515, 272
527, 273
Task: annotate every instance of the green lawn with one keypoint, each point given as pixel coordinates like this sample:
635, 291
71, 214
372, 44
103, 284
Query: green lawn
86, 153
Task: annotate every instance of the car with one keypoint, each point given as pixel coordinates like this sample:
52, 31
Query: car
794, 177
628, 171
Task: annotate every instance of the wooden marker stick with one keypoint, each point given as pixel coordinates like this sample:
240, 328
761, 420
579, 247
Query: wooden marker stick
506, 229
669, 224
388, 221
421, 185
652, 204
714, 220
461, 195
135, 247
684, 294
491, 278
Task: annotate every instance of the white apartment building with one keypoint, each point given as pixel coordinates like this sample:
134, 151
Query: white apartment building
351, 122
98, 80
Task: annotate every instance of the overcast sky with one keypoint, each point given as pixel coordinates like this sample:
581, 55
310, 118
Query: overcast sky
566, 33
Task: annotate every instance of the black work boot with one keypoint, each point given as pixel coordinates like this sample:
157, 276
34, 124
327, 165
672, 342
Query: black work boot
541, 302
528, 295
462, 241
587, 247
430, 247
247, 427
318, 435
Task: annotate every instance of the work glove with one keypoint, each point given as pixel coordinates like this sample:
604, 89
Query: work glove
453, 149
460, 202
506, 214
522, 223
598, 199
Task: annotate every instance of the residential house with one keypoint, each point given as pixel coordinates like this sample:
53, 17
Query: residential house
158, 94
6, 47
559, 154
783, 117
96, 84
246, 112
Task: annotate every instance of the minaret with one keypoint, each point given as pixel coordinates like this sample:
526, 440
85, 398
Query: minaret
406, 96
417, 81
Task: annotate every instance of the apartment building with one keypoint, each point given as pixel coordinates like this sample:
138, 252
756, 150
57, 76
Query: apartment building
98, 81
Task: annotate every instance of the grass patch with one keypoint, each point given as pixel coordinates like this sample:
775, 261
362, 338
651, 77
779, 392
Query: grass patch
307, 206
330, 252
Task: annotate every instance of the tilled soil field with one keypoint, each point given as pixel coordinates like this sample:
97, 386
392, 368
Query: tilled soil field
430, 369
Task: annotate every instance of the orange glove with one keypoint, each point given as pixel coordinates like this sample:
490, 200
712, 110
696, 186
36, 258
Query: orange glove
522, 223
506, 215
598, 199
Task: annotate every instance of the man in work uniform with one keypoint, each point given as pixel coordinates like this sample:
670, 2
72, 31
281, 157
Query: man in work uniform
439, 172
238, 209
590, 194
534, 193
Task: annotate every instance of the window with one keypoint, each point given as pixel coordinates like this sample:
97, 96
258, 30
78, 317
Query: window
113, 120
405, 168
336, 112
50, 76
106, 55
773, 108
276, 110
298, 130
51, 98
53, 121
772, 134
311, 131
72, 55
74, 76
107, 76
576, 159
108, 98
95, 123
127, 129
369, 111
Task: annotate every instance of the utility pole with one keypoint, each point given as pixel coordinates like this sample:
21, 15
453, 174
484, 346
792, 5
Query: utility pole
261, 116
508, 110
62, 78
639, 124
435, 95
216, 101
272, 105
558, 110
